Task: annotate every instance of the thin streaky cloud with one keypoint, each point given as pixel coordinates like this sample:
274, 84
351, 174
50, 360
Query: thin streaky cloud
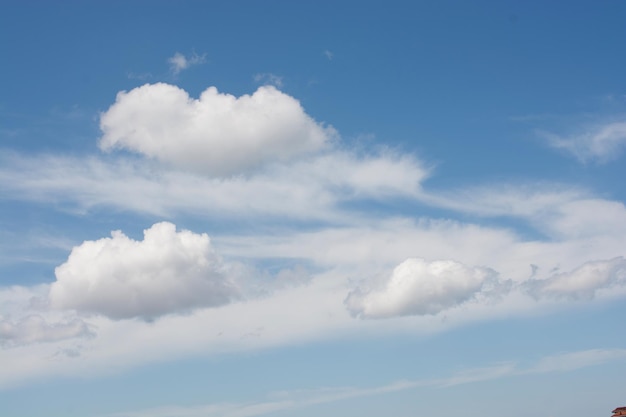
600, 144
268, 78
293, 399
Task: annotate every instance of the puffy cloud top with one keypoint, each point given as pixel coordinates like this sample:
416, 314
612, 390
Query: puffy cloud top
217, 134
419, 287
119, 277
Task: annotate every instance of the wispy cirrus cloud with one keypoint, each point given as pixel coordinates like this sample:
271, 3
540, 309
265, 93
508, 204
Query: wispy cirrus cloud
311, 189
599, 143
268, 78
296, 399
570, 361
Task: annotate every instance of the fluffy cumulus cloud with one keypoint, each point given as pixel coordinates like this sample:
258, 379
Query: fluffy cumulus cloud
36, 329
583, 282
600, 143
419, 287
217, 134
119, 277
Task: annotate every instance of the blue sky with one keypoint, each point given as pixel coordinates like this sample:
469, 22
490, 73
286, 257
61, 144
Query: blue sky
236, 209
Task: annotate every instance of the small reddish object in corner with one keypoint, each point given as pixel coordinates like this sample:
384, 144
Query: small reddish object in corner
619, 411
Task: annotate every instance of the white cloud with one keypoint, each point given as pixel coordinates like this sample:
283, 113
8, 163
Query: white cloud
182, 273
512, 200
310, 189
600, 143
217, 134
585, 217
372, 245
179, 62
419, 287
290, 316
36, 329
383, 175
15, 301
119, 277
555, 210
318, 186
583, 282
267, 78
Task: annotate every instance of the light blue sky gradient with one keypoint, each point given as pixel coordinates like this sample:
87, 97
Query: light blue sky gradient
422, 213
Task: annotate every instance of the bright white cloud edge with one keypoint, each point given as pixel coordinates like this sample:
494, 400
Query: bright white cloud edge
217, 134
418, 287
166, 272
